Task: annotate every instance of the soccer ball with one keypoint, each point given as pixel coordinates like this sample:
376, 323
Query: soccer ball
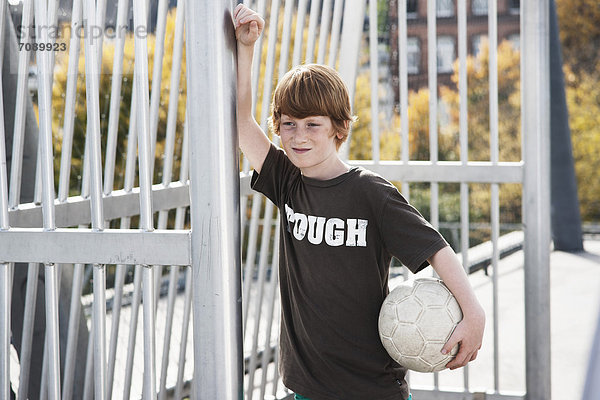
416, 320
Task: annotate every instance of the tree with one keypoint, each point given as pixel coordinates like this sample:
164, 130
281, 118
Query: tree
579, 33
583, 100
106, 76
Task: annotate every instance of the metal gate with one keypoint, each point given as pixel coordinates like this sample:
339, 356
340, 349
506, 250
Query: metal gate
148, 178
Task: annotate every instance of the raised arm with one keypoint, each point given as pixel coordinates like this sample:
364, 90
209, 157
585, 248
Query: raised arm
469, 332
253, 141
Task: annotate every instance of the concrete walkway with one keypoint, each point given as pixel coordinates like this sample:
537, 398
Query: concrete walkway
575, 304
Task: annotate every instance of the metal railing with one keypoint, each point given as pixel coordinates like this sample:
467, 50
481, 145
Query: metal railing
194, 224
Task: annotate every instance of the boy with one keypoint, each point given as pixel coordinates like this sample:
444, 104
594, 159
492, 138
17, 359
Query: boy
340, 228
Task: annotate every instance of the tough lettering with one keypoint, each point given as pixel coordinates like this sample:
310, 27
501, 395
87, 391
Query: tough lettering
333, 231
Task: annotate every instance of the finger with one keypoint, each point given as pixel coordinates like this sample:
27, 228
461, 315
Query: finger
453, 341
242, 14
237, 9
254, 27
474, 356
241, 19
461, 359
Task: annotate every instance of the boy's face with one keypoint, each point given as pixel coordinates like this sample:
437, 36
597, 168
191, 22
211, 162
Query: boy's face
310, 144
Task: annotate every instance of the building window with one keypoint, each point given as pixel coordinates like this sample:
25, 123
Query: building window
413, 53
412, 11
479, 7
514, 6
445, 54
445, 8
476, 43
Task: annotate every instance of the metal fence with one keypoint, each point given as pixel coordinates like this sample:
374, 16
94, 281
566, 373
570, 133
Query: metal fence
148, 178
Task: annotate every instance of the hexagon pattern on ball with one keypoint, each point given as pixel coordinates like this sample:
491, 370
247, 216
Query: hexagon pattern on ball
416, 320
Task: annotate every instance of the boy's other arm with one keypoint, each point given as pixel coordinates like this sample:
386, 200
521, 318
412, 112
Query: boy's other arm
469, 332
253, 141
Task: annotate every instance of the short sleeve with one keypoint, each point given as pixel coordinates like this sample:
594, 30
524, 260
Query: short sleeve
275, 175
407, 235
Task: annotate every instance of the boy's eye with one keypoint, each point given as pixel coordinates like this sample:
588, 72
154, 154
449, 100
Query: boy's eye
312, 124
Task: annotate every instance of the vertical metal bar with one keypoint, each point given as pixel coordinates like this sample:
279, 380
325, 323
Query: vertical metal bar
215, 212
463, 140
432, 76
115, 320
433, 114
262, 273
47, 179
324, 31
185, 327
149, 307
403, 81
73, 332
52, 21
270, 67
98, 23
312, 31
109, 166
115, 98
135, 306
173, 277
121, 269
154, 111
257, 201
493, 78
286, 37
271, 310
535, 127
262, 10
174, 93
159, 51
187, 308
92, 63
20, 111
136, 298
374, 69
349, 50
335, 32
88, 388
70, 97
171, 116
167, 172
187, 302
463, 129
495, 201
28, 323
299, 34
145, 179
5, 281
462, 82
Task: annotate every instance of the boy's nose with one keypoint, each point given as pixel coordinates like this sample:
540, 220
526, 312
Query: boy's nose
301, 135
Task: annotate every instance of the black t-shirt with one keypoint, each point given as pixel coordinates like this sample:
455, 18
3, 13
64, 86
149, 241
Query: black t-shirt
337, 240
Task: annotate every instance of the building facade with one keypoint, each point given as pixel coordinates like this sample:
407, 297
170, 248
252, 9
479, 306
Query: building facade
447, 36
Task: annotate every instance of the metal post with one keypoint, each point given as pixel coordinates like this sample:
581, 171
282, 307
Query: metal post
349, 51
535, 111
92, 55
47, 179
145, 178
5, 282
566, 220
214, 193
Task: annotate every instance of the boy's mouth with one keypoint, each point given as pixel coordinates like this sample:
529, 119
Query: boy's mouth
300, 150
